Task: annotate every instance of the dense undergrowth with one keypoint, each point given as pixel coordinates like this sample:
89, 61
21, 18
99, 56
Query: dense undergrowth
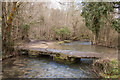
107, 68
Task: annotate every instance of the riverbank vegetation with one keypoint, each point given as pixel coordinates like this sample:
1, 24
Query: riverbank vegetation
98, 23
107, 68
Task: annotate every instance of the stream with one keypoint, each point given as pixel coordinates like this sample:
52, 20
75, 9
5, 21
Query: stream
45, 67
83, 46
87, 47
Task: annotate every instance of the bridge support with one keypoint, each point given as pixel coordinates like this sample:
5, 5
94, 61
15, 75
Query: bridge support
59, 55
62, 58
32, 53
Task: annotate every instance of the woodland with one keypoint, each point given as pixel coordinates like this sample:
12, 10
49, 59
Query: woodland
62, 22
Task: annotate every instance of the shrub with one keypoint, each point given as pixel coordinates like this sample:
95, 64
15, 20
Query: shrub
107, 68
24, 28
62, 32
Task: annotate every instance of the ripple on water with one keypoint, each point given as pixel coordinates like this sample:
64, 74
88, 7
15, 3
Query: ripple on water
40, 68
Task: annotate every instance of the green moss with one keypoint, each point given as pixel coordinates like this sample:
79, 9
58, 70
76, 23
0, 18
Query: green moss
60, 42
67, 41
33, 53
72, 59
65, 61
62, 58
108, 76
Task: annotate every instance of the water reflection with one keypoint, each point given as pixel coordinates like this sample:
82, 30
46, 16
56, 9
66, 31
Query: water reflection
24, 67
83, 46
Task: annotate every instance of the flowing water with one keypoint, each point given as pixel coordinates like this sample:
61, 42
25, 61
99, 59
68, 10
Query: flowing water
45, 67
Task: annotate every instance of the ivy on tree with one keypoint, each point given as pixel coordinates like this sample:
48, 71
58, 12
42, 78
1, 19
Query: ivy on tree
95, 13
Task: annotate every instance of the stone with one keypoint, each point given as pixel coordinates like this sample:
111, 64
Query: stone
67, 41
33, 53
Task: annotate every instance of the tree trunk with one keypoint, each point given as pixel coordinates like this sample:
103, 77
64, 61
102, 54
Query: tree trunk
7, 42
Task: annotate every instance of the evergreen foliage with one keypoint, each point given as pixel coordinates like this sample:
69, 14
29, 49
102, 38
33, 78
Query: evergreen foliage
95, 13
